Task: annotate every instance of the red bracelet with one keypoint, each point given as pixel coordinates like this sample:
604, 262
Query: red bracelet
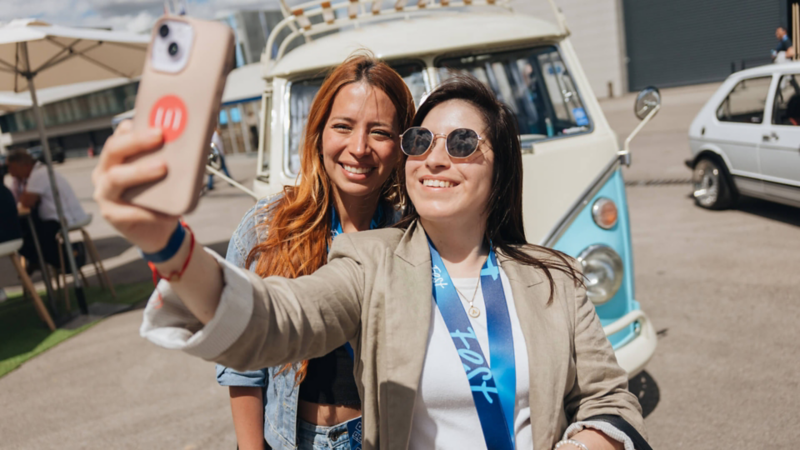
176, 274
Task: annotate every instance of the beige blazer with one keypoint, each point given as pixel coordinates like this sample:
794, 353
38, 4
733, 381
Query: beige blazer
376, 293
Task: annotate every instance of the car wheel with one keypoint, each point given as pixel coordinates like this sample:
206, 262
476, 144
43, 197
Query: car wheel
711, 187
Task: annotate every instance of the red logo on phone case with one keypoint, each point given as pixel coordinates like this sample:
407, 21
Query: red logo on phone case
169, 114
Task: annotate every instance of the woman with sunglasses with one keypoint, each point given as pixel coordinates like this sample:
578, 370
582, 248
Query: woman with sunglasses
464, 335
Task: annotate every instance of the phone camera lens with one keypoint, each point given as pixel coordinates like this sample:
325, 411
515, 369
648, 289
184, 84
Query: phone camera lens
163, 31
173, 49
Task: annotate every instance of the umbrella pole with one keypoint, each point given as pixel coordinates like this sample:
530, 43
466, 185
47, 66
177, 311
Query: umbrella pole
76, 279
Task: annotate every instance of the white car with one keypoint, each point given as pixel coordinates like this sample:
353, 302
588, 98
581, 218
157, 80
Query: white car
746, 139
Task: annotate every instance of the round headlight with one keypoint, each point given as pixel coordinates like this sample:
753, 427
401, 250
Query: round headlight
604, 213
602, 270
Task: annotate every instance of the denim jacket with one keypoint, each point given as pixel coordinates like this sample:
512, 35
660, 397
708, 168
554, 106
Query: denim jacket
280, 390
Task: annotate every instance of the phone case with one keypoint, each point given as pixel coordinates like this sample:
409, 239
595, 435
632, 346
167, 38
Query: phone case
188, 102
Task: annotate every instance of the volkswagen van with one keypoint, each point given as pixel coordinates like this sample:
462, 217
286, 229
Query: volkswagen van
574, 198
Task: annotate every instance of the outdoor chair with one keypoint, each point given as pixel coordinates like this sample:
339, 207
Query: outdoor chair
10, 248
93, 256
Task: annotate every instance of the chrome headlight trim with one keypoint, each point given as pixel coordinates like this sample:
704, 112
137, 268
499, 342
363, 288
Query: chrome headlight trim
603, 270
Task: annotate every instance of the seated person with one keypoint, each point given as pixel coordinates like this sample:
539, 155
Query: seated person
32, 190
793, 110
9, 221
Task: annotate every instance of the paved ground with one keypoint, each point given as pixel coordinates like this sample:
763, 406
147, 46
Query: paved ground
721, 288
107, 388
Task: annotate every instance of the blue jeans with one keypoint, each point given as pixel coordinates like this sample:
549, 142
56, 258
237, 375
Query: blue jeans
315, 437
223, 168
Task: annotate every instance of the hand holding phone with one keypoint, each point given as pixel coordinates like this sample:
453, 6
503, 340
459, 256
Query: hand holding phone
180, 92
145, 228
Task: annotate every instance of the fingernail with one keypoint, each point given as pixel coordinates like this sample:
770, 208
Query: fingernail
154, 133
156, 166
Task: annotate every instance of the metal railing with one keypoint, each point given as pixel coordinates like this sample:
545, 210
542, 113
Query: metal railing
316, 17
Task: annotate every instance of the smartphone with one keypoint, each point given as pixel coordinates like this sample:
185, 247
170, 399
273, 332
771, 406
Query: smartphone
180, 92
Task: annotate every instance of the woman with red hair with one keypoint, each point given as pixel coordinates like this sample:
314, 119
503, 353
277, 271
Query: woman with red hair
350, 180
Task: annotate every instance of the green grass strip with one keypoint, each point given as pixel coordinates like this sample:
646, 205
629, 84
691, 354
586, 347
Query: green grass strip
23, 335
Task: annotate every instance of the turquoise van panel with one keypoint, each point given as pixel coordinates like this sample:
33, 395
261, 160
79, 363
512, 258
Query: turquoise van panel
584, 232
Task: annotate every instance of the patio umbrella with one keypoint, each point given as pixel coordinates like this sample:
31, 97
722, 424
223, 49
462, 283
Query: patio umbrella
51, 55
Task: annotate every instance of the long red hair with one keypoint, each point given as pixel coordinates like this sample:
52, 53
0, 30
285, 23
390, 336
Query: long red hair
299, 224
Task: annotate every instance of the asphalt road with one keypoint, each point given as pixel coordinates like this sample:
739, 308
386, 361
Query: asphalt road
720, 287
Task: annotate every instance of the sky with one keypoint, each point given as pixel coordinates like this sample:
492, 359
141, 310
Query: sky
129, 15
124, 15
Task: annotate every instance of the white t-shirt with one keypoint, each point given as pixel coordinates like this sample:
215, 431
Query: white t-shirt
444, 412
39, 183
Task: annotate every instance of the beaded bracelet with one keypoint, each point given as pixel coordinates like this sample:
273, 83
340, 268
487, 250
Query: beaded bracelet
578, 444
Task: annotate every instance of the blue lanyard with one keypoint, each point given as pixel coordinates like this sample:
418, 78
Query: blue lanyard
354, 430
493, 389
336, 223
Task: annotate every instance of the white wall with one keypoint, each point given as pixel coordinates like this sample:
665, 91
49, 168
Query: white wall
598, 37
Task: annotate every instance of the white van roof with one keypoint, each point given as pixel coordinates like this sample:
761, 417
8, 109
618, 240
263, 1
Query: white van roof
243, 84
422, 35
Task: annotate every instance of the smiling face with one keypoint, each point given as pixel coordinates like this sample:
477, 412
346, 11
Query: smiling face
360, 143
444, 189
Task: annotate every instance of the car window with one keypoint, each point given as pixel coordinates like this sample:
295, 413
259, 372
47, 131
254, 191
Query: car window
535, 83
301, 95
787, 101
746, 102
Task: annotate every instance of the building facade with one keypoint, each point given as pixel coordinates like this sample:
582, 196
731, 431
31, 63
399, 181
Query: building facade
251, 29
626, 45
77, 117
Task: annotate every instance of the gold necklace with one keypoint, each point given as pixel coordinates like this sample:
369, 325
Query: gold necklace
473, 311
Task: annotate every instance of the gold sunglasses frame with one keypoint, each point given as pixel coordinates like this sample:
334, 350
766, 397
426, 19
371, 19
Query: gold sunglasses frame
445, 136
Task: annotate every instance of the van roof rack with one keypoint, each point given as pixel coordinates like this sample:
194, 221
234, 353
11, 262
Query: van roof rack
310, 19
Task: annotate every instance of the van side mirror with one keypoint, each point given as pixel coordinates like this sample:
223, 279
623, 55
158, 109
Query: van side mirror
647, 100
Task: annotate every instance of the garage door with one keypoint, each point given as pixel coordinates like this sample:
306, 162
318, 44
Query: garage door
679, 42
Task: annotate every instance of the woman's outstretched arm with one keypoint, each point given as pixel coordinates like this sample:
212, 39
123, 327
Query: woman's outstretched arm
201, 284
265, 322
200, 287
218, 311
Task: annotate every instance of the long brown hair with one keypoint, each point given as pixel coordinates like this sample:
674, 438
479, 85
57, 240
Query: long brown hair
299, 222
504, 228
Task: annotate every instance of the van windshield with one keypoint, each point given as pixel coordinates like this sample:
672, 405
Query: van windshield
301, 95
534, 83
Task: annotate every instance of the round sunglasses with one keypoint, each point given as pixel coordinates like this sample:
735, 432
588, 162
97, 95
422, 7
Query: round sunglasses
459, 143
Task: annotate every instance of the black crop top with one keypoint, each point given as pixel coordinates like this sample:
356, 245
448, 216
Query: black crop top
329, 380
